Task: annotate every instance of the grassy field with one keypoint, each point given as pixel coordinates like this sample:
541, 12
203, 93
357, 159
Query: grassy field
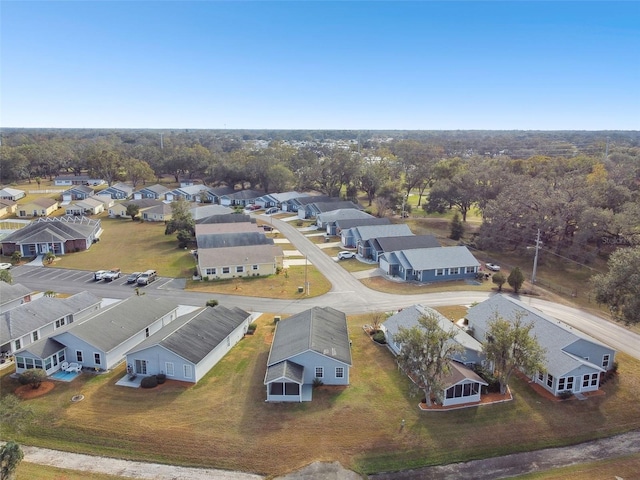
31, 471
224, 422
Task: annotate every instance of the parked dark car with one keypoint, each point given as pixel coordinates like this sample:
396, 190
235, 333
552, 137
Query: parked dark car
133, 277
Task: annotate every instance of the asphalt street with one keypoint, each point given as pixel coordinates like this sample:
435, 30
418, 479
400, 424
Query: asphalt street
347, 294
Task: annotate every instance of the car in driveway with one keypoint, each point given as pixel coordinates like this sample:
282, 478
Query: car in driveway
5, 266
493, 267
111, 275
344, 255
99, 274
133, 277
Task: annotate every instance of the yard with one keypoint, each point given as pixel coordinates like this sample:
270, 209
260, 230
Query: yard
224, 421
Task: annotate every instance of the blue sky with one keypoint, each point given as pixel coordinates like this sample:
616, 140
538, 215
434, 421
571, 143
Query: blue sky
321, 65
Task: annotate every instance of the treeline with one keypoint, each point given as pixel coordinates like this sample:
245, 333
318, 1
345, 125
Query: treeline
580, 189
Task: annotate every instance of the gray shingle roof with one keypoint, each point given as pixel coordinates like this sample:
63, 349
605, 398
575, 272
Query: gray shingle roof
238, 239
331, 206
321, 330
285, 371
220, 228
35, 314
112, 326
230, 256
80, 188
205, 211
195, 335
244, 195
551, 333
226, 218
156, 189
410, 242
9, 292
357, 222
343, 214
307, 199
57, 228
366, 232
433, 258
457, 373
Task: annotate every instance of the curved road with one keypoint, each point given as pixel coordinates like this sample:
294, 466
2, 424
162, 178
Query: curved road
347, 294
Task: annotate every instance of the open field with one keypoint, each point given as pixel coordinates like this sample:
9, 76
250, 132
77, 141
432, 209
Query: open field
31, 471
223, 421
624, 468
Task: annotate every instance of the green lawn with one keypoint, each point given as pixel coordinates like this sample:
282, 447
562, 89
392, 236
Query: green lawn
224, 422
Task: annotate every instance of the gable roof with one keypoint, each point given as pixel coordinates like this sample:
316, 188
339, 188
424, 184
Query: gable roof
80, 188
143, 203
218, 191
283, 196
156, 189
43, 202
204, 211
12, 192
458, 373
342, 213
552, 334
345, 224
226, 218
60, 228
332, 205
236, 239
42, 311
11, 292
116, 324
365, 232
307, 199
195, 335
162, 208
433, 258
229, 256
122, 187
320, 329
390, 244
285, 371
220, 228
7, 203
244, 195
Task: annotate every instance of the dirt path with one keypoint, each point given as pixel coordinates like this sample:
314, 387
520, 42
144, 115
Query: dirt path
487, 469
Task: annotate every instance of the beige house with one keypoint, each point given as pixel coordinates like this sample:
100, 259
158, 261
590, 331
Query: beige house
40, 207
89, 206
234, 262
7, 207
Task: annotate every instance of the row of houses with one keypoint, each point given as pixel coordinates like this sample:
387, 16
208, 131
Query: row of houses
232, 245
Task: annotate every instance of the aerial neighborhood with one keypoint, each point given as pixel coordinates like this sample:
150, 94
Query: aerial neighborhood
395, 306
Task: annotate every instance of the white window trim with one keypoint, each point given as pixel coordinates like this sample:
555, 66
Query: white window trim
187, 371
321, 372
169, 369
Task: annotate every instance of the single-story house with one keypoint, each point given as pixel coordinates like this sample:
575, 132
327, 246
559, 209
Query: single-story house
40, 318
120, 209
461, 384
342, 225
79, 192
293, 204
156, 192
213, 194
59, 235
204, 211
376, 246
312, 210
101, 340
435, 264
187, 348
276, 199
231, 262
235, 239
12, 194
310, 346
13, 295
38, 207
7, 207
118, 191
191, 193
574, 361
356, 236
159, 213
327, 220
89, 206
106, 200
220, 228
68, 180
240, 198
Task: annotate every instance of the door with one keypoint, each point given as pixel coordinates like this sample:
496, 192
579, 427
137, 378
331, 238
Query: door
141, 367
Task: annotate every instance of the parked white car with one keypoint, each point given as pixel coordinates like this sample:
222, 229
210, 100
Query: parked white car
493, 267
99, 275
5, 266
346, 254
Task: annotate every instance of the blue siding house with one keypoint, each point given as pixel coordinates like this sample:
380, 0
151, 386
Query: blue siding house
426, 265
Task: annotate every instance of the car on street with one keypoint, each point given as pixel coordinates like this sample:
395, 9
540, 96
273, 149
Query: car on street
99, 274
111, 275
133, 277
346, 254
5, 266
493, 267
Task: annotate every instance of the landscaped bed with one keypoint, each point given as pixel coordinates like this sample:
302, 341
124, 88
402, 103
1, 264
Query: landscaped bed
224, 422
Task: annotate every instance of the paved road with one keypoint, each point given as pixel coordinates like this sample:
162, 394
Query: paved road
347, 294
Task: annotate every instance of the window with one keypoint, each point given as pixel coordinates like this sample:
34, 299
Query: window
47, 363
585, 380
168, 367
605, 361
594, 379
339, 372
319, 372
187, 371
570, 383
255, 267
28, 363
550, 380
34, 336
225, 269
96, 358
37, 362
20, 362
439, 272
146, 332
61, 356
240, 269
471, 269
228, 342
210, 271
276, 389
291, 389
79, 356
540, 376
60, 322
454, 271
561, 384
18, 344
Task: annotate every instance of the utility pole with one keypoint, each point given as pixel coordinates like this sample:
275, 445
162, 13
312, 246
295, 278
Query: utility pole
161, 142
306, 283
535, 259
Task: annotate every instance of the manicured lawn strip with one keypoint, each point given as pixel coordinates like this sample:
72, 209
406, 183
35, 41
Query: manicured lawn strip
224, 422
133, 246
32, 471
624, 467
282, 286
402, 288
